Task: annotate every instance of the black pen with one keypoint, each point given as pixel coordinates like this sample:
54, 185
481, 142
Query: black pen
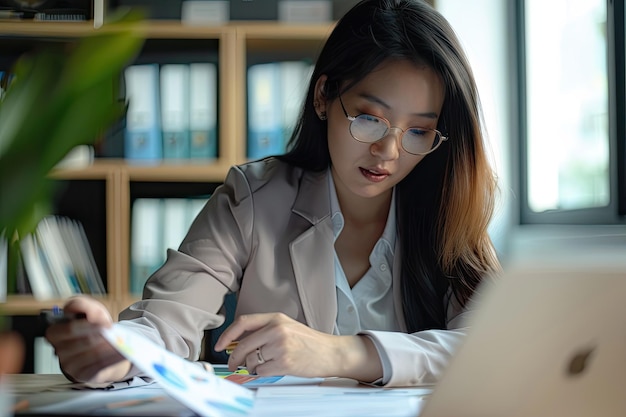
57, 315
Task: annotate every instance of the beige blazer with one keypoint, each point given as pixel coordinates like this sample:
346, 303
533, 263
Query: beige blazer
266, 234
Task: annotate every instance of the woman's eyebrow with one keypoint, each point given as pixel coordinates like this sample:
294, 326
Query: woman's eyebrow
379, 101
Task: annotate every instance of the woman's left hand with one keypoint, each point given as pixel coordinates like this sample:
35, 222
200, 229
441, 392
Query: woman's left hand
275, 344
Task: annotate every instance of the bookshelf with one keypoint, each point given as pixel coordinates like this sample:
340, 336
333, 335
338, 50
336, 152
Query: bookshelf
115, 182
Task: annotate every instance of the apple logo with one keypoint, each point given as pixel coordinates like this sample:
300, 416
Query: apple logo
578, 363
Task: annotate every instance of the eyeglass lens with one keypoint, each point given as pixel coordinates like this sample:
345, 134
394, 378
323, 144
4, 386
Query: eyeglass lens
368, 128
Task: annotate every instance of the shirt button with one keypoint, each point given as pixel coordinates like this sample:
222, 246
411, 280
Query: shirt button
350, 309
383, 267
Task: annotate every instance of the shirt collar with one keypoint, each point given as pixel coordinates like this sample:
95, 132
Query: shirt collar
389, 234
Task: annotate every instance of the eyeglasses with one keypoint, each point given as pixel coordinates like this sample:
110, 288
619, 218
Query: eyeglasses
368, 128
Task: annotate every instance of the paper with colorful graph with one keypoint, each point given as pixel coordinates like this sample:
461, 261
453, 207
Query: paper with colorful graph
203, 392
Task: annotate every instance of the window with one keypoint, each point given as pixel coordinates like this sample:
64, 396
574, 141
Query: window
572, 111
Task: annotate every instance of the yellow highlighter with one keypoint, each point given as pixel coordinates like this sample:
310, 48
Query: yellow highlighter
231, 346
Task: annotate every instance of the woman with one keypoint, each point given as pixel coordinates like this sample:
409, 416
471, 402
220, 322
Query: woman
354, 254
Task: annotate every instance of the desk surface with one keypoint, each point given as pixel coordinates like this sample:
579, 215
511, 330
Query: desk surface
54, 395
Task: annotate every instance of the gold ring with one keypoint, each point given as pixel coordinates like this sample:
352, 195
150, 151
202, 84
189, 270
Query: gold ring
259, 356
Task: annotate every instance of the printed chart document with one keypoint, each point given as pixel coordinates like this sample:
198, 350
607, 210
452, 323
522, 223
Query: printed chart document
203, 392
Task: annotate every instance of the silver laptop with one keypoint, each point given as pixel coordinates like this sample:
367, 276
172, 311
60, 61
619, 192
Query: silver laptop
546, 341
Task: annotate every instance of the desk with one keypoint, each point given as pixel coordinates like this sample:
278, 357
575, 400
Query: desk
53, 395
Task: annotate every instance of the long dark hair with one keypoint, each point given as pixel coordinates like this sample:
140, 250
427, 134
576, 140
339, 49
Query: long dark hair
444, 205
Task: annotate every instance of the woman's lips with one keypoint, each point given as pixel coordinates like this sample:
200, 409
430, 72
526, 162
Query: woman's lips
374, 175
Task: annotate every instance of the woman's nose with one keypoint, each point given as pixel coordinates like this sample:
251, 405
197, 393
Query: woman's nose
388, 147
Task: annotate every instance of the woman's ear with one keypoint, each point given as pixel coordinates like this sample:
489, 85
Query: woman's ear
319, 97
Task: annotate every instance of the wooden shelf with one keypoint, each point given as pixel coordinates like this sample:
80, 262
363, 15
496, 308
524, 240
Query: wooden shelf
159, 171
281, 31
100, 169
26, 305
30, 29
171, 30
184, 172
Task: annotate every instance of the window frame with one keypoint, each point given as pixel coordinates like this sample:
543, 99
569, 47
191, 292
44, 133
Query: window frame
615, 211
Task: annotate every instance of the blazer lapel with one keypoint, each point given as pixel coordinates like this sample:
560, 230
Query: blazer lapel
312, 254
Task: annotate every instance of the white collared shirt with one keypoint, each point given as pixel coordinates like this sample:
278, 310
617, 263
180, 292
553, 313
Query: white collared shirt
369, 304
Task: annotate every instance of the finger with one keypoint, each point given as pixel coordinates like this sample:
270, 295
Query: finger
269, 368
85, 363
251, 363
70, 343
255, 360
239, 356
103, 358
61, 333
242, 324
252, 351
95, 311
78, 344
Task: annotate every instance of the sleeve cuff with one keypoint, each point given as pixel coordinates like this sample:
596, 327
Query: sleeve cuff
384, 360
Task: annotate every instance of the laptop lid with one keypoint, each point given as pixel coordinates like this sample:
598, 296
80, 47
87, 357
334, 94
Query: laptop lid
548, 341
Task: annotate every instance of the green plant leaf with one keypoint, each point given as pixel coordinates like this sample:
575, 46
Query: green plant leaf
86, 68
34, 74
62, 96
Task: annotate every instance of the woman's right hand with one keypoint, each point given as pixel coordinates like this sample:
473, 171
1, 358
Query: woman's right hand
84, 354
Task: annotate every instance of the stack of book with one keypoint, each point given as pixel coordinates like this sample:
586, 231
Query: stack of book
58, 261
